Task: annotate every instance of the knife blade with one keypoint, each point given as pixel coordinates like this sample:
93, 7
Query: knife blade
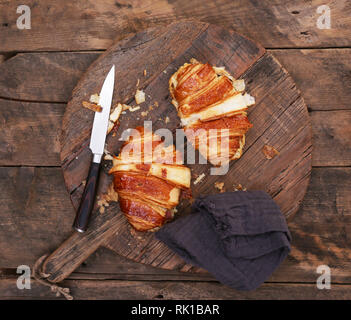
97, 144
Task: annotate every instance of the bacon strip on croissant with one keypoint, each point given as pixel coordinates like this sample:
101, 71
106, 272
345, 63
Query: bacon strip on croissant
149, 184
209, 98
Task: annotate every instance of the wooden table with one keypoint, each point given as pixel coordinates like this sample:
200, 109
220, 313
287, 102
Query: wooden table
40, 67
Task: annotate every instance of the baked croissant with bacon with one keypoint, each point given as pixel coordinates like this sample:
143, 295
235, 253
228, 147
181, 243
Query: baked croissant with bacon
149, 178
208, 99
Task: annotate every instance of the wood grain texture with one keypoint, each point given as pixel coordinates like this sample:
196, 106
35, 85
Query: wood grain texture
38, 215
78, 247
328, 199
323, 76
43, 76
320, 226
91, 25
282, 122
29, 133
332, 138
36, 207
134, 290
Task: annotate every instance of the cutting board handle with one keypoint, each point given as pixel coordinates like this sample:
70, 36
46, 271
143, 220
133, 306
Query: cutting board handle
79, 246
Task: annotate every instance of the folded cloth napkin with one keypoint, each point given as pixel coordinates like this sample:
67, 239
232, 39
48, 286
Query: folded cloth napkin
239, 237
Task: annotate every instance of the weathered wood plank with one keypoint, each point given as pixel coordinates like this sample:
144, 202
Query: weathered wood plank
29, 133
331, 138
327, 203
323, 76
170, 290
83, 25
78, 247
105, 264
37, 216
43, 76
25, 148
320, 229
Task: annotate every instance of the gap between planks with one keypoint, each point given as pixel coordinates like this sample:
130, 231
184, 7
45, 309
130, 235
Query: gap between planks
9, 55
168, 278
31, 101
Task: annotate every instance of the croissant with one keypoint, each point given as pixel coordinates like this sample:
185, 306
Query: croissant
208, 99
149, 182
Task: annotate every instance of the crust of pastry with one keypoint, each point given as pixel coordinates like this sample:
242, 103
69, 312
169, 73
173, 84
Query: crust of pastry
148, 184
204, 96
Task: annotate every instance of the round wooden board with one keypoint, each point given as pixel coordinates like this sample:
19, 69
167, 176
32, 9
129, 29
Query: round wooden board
280, 119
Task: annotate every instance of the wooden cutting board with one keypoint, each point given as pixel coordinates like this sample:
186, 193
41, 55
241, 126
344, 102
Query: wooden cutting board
280, 119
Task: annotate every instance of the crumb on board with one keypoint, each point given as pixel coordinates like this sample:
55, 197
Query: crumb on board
239, 187
92, 106
199, 178
144, 113
138, 81
116, 113
94, 98
102, 202
133, 109
156, 104
106, 151
108, 156
145, 72
219, 186
151, 108
269, 152
221, 71
132, 232
167, 120
239, 85
139, 96
110, 196
113, 119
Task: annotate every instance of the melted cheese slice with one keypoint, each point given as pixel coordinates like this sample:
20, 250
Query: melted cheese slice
232, 105
177, 175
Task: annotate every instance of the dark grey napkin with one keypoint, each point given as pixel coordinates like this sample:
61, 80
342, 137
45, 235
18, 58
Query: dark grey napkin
239, 237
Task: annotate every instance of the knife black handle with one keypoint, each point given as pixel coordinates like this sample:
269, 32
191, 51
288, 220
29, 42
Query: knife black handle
87, 202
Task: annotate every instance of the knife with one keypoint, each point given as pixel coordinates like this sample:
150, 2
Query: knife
97, 144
